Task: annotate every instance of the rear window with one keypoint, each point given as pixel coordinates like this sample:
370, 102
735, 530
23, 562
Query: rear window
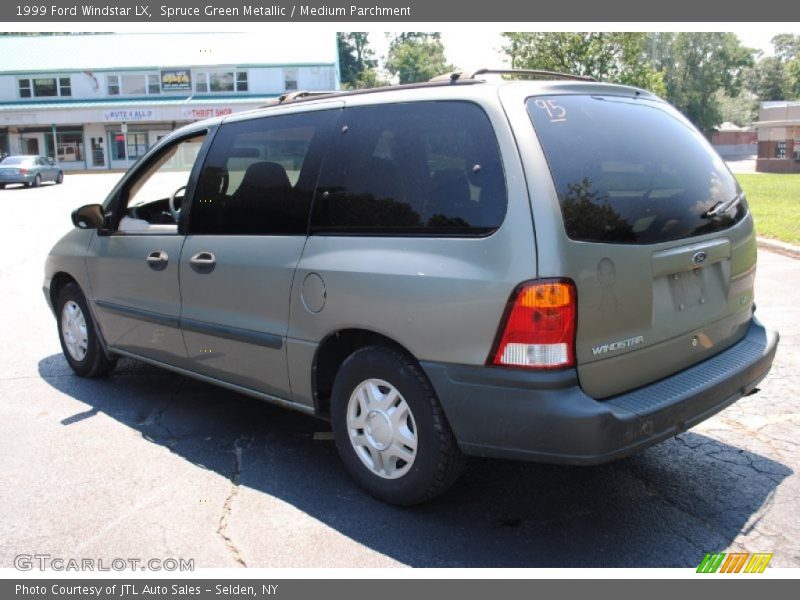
17, 160
632, 171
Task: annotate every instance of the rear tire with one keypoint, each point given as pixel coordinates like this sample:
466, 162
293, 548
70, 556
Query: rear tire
390, 429
77, 334
37, 181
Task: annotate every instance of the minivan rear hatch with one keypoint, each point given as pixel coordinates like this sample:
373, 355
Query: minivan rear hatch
656, 236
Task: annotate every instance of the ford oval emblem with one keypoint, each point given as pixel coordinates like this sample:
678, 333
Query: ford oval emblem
699, 258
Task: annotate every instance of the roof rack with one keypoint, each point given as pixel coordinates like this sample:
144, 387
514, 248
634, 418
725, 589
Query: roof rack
536, 73
304, 96
298, 95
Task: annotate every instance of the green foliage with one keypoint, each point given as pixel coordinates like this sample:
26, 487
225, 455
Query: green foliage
767, 80
416, 56
699, 64
787, 50
357, 63
741, 110
618, 57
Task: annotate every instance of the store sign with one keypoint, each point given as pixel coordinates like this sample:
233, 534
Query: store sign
176, 79
128, 114
205, 113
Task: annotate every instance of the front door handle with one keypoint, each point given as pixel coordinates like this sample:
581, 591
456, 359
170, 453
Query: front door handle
203, 262
157, 260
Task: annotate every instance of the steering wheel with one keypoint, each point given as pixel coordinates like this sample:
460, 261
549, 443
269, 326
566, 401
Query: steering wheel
173, 210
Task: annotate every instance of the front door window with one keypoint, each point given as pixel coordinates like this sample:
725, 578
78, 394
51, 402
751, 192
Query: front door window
153, 199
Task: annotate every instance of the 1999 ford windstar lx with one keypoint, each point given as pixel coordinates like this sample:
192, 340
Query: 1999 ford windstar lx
549, 269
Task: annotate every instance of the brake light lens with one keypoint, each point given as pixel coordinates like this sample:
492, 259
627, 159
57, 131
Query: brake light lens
23, 171
538, 327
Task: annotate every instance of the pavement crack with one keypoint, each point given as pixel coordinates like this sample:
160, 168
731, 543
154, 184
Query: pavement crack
154, 417
222, 529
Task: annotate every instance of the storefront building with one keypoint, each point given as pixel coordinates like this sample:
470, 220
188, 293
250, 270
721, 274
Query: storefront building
778, 137
95, 102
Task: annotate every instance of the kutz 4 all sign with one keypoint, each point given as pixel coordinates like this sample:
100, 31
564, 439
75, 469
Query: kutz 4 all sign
734, 562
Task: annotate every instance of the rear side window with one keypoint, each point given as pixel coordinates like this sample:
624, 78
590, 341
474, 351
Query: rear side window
430, 168
259, 176
632, 171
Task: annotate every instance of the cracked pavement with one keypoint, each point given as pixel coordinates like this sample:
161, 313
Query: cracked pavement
148, 464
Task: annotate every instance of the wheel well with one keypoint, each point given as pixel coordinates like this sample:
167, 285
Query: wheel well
57, 283
332, 352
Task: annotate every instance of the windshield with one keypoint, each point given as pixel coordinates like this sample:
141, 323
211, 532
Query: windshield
632, 171
17, 160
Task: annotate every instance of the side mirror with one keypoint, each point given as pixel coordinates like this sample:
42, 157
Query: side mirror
89, 216
52, 162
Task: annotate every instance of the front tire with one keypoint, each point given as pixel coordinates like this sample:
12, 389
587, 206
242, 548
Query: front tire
390, 429
76, 331
60, 177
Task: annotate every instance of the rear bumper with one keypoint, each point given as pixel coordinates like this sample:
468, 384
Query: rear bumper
17, 178
546, 417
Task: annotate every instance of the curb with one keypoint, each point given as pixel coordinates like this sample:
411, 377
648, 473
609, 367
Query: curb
789, 250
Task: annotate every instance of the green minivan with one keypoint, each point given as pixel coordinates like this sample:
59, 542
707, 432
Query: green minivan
537, 267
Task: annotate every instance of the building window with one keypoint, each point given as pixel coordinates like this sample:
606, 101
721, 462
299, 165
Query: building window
133, 85
137, 145
153, 84
780, 150
241, 81
113, 85
221, 81
65, 86
45, 87
290, 79
69, 146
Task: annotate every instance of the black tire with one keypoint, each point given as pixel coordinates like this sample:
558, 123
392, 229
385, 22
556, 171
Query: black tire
2, 186
37, 181
438, 461
95, 363
60, 177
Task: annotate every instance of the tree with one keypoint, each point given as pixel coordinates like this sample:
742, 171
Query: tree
700, 65
416, 56
607, 56
767, 80
357, 60
741, 110
787, 46
787, 50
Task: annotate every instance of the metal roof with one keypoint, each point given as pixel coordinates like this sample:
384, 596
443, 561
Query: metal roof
780, 103
116, 51
135, 102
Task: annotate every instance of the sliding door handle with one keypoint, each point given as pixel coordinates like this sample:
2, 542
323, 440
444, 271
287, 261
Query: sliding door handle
157, 260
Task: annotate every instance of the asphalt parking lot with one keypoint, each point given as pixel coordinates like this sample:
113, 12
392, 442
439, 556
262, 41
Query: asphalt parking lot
148, 464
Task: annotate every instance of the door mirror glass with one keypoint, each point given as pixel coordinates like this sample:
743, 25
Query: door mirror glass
89, 216
52, 162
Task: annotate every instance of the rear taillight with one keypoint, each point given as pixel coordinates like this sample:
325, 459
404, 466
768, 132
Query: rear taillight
23, 171
538, 327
